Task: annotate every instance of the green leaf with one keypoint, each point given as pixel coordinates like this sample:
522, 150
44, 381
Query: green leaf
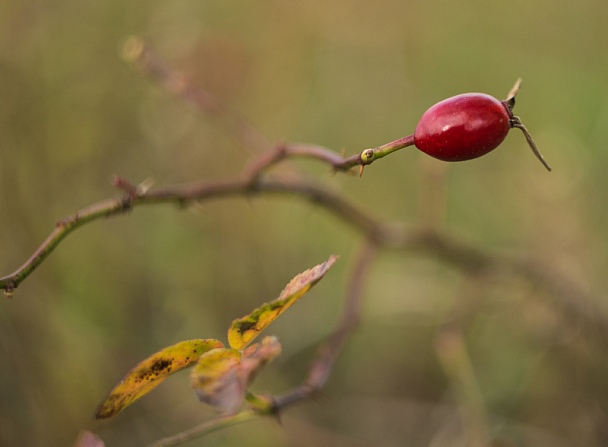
218, 381
244, 330
151, 372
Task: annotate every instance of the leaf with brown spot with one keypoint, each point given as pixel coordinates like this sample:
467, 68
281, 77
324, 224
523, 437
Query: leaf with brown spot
244, 330
151, 372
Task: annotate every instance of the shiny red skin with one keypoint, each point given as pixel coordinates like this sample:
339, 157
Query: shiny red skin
463, 127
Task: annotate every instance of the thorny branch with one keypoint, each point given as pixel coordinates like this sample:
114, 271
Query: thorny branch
573, 303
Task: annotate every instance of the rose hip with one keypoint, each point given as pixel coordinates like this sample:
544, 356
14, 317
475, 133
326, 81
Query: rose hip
463, 127
460, 128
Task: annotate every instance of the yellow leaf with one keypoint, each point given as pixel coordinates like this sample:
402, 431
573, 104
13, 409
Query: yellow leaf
151, 372
244, 330
218, 381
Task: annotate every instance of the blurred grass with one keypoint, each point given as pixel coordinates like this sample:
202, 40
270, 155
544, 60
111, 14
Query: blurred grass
348, 75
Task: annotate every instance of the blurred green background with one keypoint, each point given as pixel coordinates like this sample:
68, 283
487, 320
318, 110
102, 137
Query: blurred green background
344, 74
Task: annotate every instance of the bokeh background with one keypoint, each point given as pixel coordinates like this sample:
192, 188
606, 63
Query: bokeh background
347, 75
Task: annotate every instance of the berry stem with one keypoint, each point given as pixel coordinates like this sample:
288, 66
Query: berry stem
370, 155
393, 146
516, 122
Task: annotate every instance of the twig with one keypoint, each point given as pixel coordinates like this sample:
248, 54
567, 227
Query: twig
350, 318
336, 161
205, 428
283, 151
63, 228
322, 365
574, 304
182, 195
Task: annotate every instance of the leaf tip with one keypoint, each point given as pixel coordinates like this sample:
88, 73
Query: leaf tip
106, 410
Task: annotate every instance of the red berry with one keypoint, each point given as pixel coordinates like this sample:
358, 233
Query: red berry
463, 127
468, 126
